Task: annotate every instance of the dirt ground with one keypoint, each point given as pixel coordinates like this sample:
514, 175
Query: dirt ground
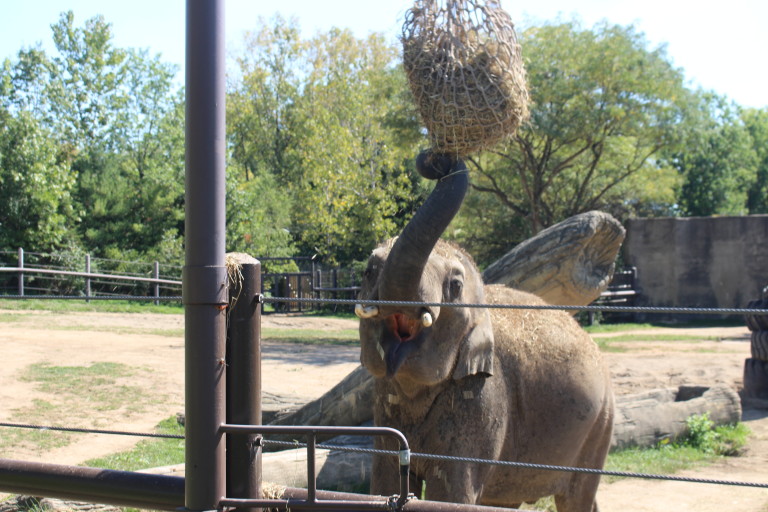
295, 374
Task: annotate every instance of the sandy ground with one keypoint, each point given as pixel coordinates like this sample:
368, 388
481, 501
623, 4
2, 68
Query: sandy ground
299, 373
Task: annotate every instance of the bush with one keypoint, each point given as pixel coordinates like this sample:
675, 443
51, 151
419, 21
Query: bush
724, 440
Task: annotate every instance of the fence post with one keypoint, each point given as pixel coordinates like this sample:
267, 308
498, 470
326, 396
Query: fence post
87, 279
156, 275
243, 361
204, 288
21, 273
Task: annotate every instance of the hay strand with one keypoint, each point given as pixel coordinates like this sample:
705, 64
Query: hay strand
465, 69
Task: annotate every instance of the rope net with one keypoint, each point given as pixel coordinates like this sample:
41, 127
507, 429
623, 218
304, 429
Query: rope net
465, 69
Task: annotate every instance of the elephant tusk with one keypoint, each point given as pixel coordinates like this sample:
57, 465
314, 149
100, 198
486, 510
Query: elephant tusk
366, 311
426, 319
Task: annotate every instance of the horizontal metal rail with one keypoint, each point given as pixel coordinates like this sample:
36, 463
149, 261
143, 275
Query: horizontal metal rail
31, 270
123, 488
311, 432
171, 298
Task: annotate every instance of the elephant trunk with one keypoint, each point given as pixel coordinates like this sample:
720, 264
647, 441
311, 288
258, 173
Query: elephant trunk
408, 257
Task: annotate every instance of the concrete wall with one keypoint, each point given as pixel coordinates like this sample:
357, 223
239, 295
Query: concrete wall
699, 261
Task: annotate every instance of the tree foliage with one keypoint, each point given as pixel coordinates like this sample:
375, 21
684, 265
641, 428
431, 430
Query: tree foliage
604, 105
35, 187
756, 123
114, 122
322, 133
314, 116
717, 162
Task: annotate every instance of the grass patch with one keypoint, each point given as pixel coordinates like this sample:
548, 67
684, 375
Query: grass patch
38, 440
704, 443
75, 396
98, 384
148, 453
98, 306
608, 343
688, 338
348, 337
603, 328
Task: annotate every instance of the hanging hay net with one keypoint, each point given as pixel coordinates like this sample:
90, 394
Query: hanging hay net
465, 69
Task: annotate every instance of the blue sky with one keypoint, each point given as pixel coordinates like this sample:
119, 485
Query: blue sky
720, 46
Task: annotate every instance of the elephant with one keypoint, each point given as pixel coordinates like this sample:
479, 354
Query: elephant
525, 385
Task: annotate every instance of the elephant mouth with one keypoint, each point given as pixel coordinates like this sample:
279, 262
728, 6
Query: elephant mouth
402, 335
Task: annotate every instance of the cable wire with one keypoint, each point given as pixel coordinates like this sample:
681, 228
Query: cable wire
610, 309
426, 456
90, 430
93, 297
525, 465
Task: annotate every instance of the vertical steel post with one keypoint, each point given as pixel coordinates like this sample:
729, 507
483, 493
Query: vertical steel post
21, 274
156, 275
244, 377
87, 279
205, 277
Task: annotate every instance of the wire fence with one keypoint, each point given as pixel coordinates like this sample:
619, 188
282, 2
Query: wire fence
416, 455
465, 460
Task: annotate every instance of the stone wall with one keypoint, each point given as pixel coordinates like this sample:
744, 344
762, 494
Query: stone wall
699, 261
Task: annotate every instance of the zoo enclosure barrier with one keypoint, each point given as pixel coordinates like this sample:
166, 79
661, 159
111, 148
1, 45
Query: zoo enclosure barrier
32, 274
80, 275
244, 441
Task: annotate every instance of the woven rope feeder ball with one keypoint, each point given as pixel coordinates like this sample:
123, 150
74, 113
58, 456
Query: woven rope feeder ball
465, 69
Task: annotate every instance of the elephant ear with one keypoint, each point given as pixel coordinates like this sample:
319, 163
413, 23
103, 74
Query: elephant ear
476, 351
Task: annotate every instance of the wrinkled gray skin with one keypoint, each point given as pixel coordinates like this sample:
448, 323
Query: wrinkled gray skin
502, 384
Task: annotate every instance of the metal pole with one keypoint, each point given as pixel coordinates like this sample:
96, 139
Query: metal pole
87, 279
204, 276
141, 490
21, 273
244, 376
156, 275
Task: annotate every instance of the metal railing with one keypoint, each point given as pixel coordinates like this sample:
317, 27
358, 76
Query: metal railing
30, 274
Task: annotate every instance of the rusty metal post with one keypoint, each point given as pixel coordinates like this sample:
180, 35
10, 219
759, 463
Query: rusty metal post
141, 490
204, 280
244, 376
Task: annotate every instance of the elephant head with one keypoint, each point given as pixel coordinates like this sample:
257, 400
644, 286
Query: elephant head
420, 346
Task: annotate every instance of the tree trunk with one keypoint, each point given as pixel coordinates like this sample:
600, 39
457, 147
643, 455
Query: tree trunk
568, 264
649, 418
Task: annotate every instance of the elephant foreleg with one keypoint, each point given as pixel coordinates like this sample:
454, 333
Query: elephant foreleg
455, 482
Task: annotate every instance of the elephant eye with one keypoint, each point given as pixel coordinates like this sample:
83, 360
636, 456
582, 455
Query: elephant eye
455, 288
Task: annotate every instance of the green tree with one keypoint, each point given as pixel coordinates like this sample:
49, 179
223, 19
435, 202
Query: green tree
262, 126
603, 106
756, 123
118, 111
35, 186
261, 108
354, 178
326, 121
84, 86
717, 161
